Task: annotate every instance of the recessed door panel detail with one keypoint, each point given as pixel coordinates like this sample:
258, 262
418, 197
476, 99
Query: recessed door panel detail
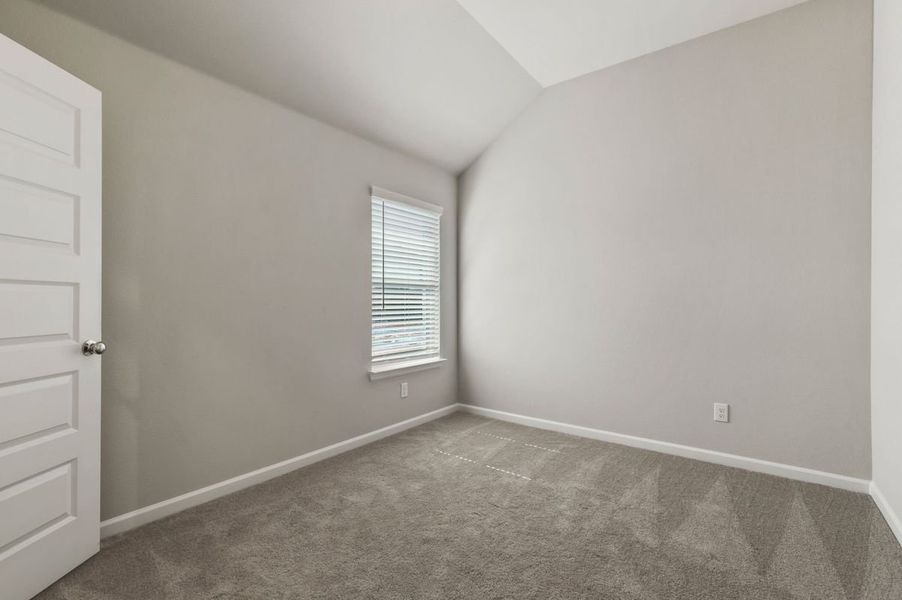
30, 214
37, 502
37, 312
36, 121
38, 406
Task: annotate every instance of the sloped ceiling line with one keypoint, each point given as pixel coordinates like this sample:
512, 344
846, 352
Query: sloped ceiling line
435, 79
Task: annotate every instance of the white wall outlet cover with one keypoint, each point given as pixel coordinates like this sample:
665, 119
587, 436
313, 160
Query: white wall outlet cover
721, 412
404, 389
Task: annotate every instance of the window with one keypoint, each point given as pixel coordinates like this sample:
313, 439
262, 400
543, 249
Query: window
405, 282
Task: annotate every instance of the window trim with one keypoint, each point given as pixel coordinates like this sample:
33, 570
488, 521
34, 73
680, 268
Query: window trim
385, 369
403, 367
391, 196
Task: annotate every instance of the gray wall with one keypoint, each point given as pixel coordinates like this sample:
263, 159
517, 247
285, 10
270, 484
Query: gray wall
686, 228
236, 271
886, 291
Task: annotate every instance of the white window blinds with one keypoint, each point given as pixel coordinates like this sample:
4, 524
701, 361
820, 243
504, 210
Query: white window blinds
405, 282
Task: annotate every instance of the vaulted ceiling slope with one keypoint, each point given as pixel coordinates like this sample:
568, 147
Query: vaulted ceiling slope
436, 79
419, 76
557, 40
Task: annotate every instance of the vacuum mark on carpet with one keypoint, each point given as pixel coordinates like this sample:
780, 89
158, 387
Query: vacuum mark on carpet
509, 473
542, 448
455, 456
497, 437
501, 437
469, 460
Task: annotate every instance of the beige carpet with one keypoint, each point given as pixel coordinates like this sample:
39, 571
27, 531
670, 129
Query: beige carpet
467, 507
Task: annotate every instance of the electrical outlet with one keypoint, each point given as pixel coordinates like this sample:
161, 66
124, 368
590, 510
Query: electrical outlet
721, 412
404, 390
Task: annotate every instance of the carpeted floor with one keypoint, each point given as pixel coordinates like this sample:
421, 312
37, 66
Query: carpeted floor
467, 507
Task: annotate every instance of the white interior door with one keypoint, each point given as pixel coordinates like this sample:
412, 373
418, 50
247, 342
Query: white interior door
49, 302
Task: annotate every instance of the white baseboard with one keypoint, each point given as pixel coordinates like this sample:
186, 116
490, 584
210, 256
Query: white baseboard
145, 515
892, 519
730, 460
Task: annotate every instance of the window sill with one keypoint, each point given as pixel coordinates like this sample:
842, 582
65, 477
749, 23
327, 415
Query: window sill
402, 368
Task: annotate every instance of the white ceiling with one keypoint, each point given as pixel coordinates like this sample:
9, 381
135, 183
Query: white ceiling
420, 76
557, 40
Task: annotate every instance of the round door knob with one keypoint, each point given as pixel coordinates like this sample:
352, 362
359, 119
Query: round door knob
91, 347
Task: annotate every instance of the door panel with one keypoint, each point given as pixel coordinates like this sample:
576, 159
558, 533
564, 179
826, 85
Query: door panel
37, 120
43, 405
43, 310
39, 501
49, 299
30, 214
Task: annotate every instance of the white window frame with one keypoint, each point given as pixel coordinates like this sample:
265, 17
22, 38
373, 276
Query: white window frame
398, 367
